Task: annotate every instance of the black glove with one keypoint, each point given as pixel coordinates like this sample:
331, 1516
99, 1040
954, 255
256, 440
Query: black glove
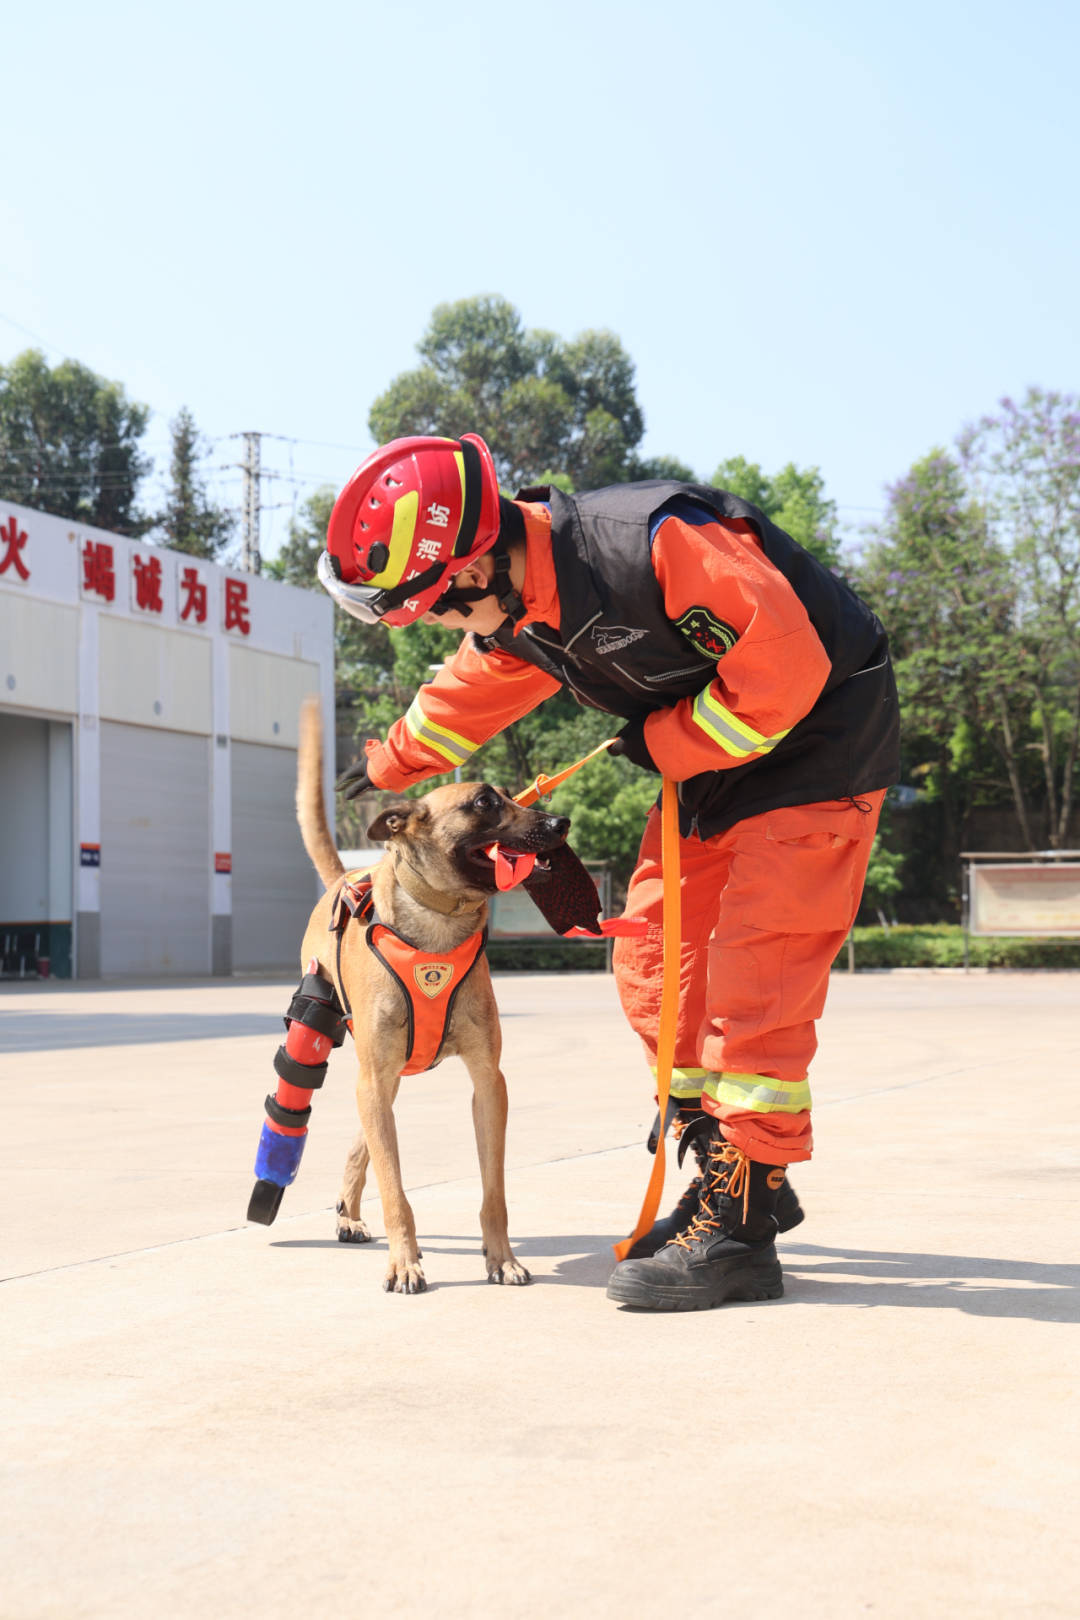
631, 742
354, 781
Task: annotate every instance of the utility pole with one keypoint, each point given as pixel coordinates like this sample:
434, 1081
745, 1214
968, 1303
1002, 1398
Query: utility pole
251, 468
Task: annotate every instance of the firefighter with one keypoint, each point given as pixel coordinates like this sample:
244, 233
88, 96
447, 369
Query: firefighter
742, 669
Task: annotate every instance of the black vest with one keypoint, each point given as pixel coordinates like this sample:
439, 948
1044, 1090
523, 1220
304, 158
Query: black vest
617, 650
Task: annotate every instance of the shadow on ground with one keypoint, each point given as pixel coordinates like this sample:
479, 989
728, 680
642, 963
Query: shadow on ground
868, 1278
47, 1031
976, 1285
580, 1270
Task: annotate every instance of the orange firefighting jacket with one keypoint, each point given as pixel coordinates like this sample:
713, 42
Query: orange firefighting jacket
765, 681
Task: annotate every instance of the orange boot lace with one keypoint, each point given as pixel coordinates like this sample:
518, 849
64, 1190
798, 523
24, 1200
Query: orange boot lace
727, 1172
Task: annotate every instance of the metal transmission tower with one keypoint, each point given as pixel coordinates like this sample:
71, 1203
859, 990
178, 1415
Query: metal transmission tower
251, 468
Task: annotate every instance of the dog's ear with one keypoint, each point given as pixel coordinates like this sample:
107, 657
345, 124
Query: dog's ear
393, 820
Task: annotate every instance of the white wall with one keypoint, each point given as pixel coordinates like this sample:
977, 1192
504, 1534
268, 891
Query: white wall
39, 644
265, 694
153, 677
77, 645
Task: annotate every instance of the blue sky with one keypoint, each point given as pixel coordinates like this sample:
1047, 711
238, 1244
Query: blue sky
829, 233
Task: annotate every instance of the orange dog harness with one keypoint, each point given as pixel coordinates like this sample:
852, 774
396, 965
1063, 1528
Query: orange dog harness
428, 982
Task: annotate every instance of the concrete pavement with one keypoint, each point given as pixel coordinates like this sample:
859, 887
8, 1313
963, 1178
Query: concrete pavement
205, 1419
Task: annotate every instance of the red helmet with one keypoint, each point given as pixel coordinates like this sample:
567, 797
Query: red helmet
410, 517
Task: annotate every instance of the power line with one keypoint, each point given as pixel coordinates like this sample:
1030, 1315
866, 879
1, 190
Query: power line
25, 330
320, 444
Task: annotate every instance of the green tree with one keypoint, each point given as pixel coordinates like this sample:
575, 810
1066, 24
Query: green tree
884, 873
189, 521
69, 443
549, 408
944, 587
553, 412
368, 695
1024, 461
641, 467
794, 498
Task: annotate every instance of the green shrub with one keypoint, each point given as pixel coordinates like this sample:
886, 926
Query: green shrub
933, 945
558, 956
941, 945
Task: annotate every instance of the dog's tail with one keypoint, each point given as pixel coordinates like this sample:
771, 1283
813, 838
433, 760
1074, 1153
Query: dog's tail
310, 805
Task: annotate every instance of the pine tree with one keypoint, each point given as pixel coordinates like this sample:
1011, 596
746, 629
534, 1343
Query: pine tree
189, 521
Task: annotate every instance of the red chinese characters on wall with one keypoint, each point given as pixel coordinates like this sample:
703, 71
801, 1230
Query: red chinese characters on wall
146, 576
237, 613
192, 596
12, 544
98, 570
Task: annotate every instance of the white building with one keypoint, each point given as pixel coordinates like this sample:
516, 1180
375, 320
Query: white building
148, 726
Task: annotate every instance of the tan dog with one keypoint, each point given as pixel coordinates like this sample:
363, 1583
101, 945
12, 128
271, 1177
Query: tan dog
431, 887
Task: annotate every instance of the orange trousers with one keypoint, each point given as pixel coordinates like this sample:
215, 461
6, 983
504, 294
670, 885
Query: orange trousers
766, 907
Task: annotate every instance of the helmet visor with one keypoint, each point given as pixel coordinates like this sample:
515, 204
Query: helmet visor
367, 603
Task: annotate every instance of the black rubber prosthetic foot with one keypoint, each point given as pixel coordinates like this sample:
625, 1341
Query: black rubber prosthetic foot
265, 1202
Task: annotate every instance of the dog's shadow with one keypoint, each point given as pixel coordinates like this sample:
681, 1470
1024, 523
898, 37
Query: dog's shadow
579, 1269
859, 1278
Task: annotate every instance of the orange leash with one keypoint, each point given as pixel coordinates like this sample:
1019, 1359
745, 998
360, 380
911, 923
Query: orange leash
547, 784
669, 996
669, 1005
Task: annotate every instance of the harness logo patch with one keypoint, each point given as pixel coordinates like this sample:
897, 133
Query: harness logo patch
611, 638
433, 977
708, 633
775, 1179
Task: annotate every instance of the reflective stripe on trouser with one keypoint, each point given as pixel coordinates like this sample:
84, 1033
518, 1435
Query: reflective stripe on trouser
766, 907
686, 1084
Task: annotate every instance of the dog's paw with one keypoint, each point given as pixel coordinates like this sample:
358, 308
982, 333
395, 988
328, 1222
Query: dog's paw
407, 1277
508, 1271
350, 1231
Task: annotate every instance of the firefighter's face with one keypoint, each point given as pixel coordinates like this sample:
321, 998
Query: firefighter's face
485, 616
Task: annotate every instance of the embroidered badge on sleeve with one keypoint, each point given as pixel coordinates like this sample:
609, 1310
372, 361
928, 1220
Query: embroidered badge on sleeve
710, 635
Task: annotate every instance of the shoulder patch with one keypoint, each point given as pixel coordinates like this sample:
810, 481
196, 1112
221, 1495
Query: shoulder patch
710, 635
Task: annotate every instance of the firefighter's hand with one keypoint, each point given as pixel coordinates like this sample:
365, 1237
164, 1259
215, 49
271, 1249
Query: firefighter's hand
354, 781
631, 742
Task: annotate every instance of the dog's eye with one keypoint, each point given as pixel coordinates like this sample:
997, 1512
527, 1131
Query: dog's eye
486, 802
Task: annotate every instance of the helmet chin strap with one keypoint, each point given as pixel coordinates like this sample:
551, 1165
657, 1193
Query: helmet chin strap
459, 598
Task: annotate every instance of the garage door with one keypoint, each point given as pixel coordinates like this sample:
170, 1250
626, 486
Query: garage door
35, 846
24, 817
155, 851
273, 883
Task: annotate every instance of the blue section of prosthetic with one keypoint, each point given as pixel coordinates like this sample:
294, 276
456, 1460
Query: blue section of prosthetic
278, 1158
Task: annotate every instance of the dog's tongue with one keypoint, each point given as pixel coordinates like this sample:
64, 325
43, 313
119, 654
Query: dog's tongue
512, 866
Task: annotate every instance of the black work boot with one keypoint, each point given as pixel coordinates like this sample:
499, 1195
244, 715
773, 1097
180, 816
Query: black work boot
726, 1253
694, 1133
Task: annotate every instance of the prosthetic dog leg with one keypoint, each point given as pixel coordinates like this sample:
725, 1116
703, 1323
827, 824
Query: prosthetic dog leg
315, 1024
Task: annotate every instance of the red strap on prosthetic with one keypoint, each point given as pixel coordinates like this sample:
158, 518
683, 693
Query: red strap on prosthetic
310, 1048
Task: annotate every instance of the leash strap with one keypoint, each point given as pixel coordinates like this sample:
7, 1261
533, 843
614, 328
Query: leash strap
612, 928
547, 784
669, 1004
